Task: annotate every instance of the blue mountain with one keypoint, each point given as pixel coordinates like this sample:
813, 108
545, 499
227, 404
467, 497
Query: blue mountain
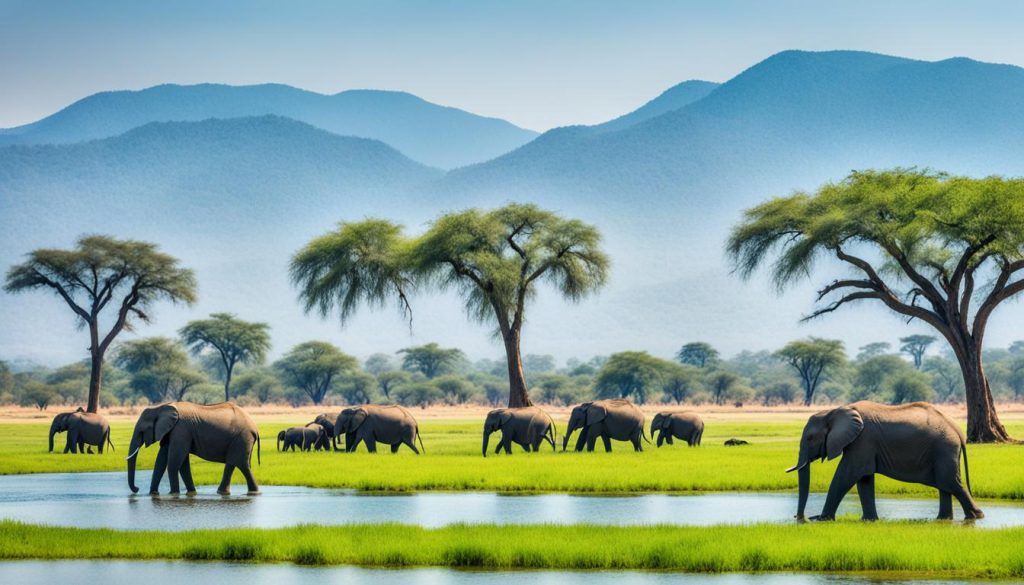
435, 135
673, 98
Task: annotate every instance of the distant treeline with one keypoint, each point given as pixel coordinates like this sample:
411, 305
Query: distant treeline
812, 370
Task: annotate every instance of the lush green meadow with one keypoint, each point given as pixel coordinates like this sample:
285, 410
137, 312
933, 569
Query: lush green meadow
912, 549
453, 462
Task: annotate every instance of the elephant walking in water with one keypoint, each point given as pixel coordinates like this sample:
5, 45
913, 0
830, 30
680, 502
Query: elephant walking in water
608, 419
372, 424
685, 426
84, 429
913, 442
222, 433
527, 427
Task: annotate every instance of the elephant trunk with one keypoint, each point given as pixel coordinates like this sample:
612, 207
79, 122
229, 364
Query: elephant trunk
53, 431
487, 438
565, 438
805, 486
133, 456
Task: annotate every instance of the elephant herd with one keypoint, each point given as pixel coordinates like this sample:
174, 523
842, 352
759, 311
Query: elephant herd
914, 443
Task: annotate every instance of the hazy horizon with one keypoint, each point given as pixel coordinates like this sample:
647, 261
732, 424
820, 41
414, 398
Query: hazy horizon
536, 64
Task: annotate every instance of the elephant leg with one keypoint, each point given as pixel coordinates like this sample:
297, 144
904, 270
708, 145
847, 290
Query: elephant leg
661, 438
637, 445
158, 470
99, 448
175, 461
186, 477
971, 510
668, 438
945, 505
250, 481
525, 446
591, 440
866, 492
394, 448
351, 442
371, 444
497, 448
73, 440
411, 443
607, 442
224, 488
581, 440
842, 482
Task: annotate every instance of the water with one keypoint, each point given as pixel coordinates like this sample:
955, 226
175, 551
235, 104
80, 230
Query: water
103, 500
175, 573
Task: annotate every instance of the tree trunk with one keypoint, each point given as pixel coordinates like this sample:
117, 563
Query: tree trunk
518, 394
96, 369
983, 425
227, 381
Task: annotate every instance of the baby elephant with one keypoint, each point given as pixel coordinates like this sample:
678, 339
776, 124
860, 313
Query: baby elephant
304, 438
84, 429
913, 442
527, 427
685, 426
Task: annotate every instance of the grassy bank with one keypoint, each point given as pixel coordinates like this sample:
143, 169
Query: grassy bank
453, 462
847, 546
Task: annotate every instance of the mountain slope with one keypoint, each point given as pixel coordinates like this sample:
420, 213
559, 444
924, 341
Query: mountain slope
673, 98
434, 135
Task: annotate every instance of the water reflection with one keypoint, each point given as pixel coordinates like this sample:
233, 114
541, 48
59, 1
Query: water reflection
102, 500
161, 572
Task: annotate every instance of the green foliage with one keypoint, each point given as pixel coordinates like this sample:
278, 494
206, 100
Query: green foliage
234, 340
431, 360
723, 386
455, 389
873, 349
313, 367
946, 378
387, 381
159, 368
698, 353
630, 374
421, 394
259, 384
358, 388
812, 359
876, 375
379, 363
36, 394
915, 346
911, 387
680, 382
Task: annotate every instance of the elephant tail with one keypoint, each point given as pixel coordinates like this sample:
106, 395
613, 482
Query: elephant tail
643, 434
419, 438
967, 469
258, 462
109, 442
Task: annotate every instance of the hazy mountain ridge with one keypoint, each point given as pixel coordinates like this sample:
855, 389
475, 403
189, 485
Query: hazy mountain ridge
435, 135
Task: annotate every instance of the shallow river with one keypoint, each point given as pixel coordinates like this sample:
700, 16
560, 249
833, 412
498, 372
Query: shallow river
176, 573
103, 500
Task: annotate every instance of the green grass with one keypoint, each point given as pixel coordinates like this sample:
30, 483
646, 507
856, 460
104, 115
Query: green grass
917, 549
453, 462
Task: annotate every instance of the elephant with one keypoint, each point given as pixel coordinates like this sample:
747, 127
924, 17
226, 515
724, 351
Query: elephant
83, 428
911, 442
609, 419
222, 433
527, 427
327, 420
372, 424
305, 438
685, 426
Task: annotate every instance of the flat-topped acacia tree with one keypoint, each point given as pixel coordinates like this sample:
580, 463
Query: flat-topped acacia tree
939, 249
102, 272
495, 259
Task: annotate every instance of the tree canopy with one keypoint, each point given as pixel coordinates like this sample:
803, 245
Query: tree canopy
314, 366
921, 243
431, 359
232, 339
493, 259
100, 272
698, 353
159, 368
629, 374
812, 359
916, 346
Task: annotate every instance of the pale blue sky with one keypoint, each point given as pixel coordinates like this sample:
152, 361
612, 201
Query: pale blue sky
536, 63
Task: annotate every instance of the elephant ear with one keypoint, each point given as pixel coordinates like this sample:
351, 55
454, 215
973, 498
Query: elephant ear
845, 425
660, 420
358, 418
596, 414
165, 421
504, 417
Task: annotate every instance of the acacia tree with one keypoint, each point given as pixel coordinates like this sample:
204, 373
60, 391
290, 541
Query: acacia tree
630, 373
495, 259
431, 359
915, 346
313, 367
812, 358
920, 243
234, 340
102, 272
159, 368
698, 353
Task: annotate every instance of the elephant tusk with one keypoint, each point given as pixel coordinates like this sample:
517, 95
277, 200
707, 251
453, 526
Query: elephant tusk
134, 453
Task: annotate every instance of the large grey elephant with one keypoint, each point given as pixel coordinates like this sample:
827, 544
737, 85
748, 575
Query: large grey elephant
84, 429
303, 438
222, 433
327, 421
527, 427
372, 424
608, 419
913, 442
685, 426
